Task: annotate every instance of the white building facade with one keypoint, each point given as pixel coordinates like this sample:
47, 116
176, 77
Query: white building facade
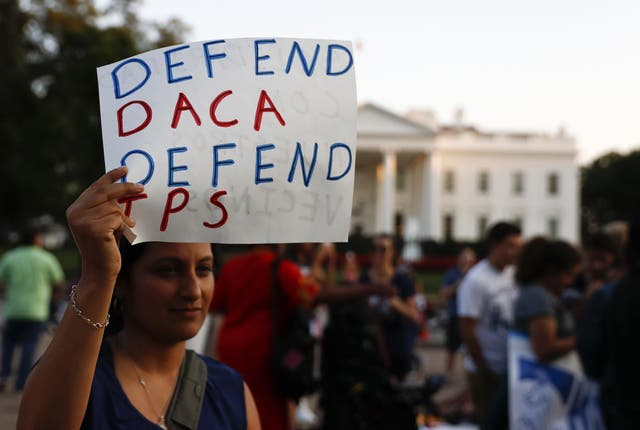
451, 182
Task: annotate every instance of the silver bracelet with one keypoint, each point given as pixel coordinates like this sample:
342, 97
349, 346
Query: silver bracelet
82, 316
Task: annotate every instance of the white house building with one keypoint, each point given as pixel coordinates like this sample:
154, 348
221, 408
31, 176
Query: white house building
452, 181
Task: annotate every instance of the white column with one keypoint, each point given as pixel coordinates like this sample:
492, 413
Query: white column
386, 201
429, 199
424, 210
570, 197
429, 215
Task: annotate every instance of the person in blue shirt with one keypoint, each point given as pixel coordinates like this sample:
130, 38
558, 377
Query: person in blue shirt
135, 377
450, 282
399, 316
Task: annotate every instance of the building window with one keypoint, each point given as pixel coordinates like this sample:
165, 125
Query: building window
552, 227
553, 184
483, 182
449, 182
482, 226
447, 223
518, 183
398, 222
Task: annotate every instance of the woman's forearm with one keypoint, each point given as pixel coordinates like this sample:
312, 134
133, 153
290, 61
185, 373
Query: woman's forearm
57, 392
555, 348
546, 344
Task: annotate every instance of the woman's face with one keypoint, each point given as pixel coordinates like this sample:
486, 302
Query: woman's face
168, 291
382, 251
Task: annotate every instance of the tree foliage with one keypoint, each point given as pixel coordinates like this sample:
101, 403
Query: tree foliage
609, 189
49, 119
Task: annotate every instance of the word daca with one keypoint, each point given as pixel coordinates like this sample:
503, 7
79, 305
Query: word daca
183, 104
308, 63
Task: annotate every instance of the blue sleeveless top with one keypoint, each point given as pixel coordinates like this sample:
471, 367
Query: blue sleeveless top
223, 407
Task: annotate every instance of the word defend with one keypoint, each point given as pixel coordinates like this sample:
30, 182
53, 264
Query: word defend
221, 130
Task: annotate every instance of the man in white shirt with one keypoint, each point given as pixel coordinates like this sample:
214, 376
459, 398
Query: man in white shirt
485, 310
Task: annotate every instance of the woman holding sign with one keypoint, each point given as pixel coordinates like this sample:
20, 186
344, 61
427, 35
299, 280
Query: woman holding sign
141, 376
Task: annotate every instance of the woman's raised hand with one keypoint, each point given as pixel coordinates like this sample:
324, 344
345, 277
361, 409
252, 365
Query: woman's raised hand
97, 222
58, 390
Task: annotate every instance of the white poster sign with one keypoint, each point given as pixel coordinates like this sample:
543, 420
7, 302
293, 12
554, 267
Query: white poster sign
236, 141
549, 396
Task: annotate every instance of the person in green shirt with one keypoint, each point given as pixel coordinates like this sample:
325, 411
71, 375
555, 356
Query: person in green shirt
28, 275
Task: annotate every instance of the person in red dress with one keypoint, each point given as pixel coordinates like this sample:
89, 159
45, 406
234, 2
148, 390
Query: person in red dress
243, 293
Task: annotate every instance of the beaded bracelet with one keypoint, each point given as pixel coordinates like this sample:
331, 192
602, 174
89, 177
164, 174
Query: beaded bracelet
80, 314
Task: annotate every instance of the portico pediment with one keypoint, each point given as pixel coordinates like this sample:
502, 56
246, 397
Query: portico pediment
376, 121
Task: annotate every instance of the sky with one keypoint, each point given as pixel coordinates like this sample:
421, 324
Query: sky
526, 66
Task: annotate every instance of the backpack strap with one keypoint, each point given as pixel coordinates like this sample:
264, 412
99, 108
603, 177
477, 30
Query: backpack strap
184, 410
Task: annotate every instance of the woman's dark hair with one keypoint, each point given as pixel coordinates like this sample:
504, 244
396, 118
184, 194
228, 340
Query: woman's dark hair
129, 254
541, 257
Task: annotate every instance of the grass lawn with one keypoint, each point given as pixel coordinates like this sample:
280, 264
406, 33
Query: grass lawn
428, 283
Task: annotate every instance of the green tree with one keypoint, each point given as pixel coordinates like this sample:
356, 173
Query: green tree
608, 189
18, 102
50, 130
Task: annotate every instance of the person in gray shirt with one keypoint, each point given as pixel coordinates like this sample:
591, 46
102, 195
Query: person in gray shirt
545, 269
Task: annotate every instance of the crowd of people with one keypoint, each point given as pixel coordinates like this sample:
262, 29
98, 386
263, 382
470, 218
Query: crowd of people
564, 299
367, 336
118, 358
